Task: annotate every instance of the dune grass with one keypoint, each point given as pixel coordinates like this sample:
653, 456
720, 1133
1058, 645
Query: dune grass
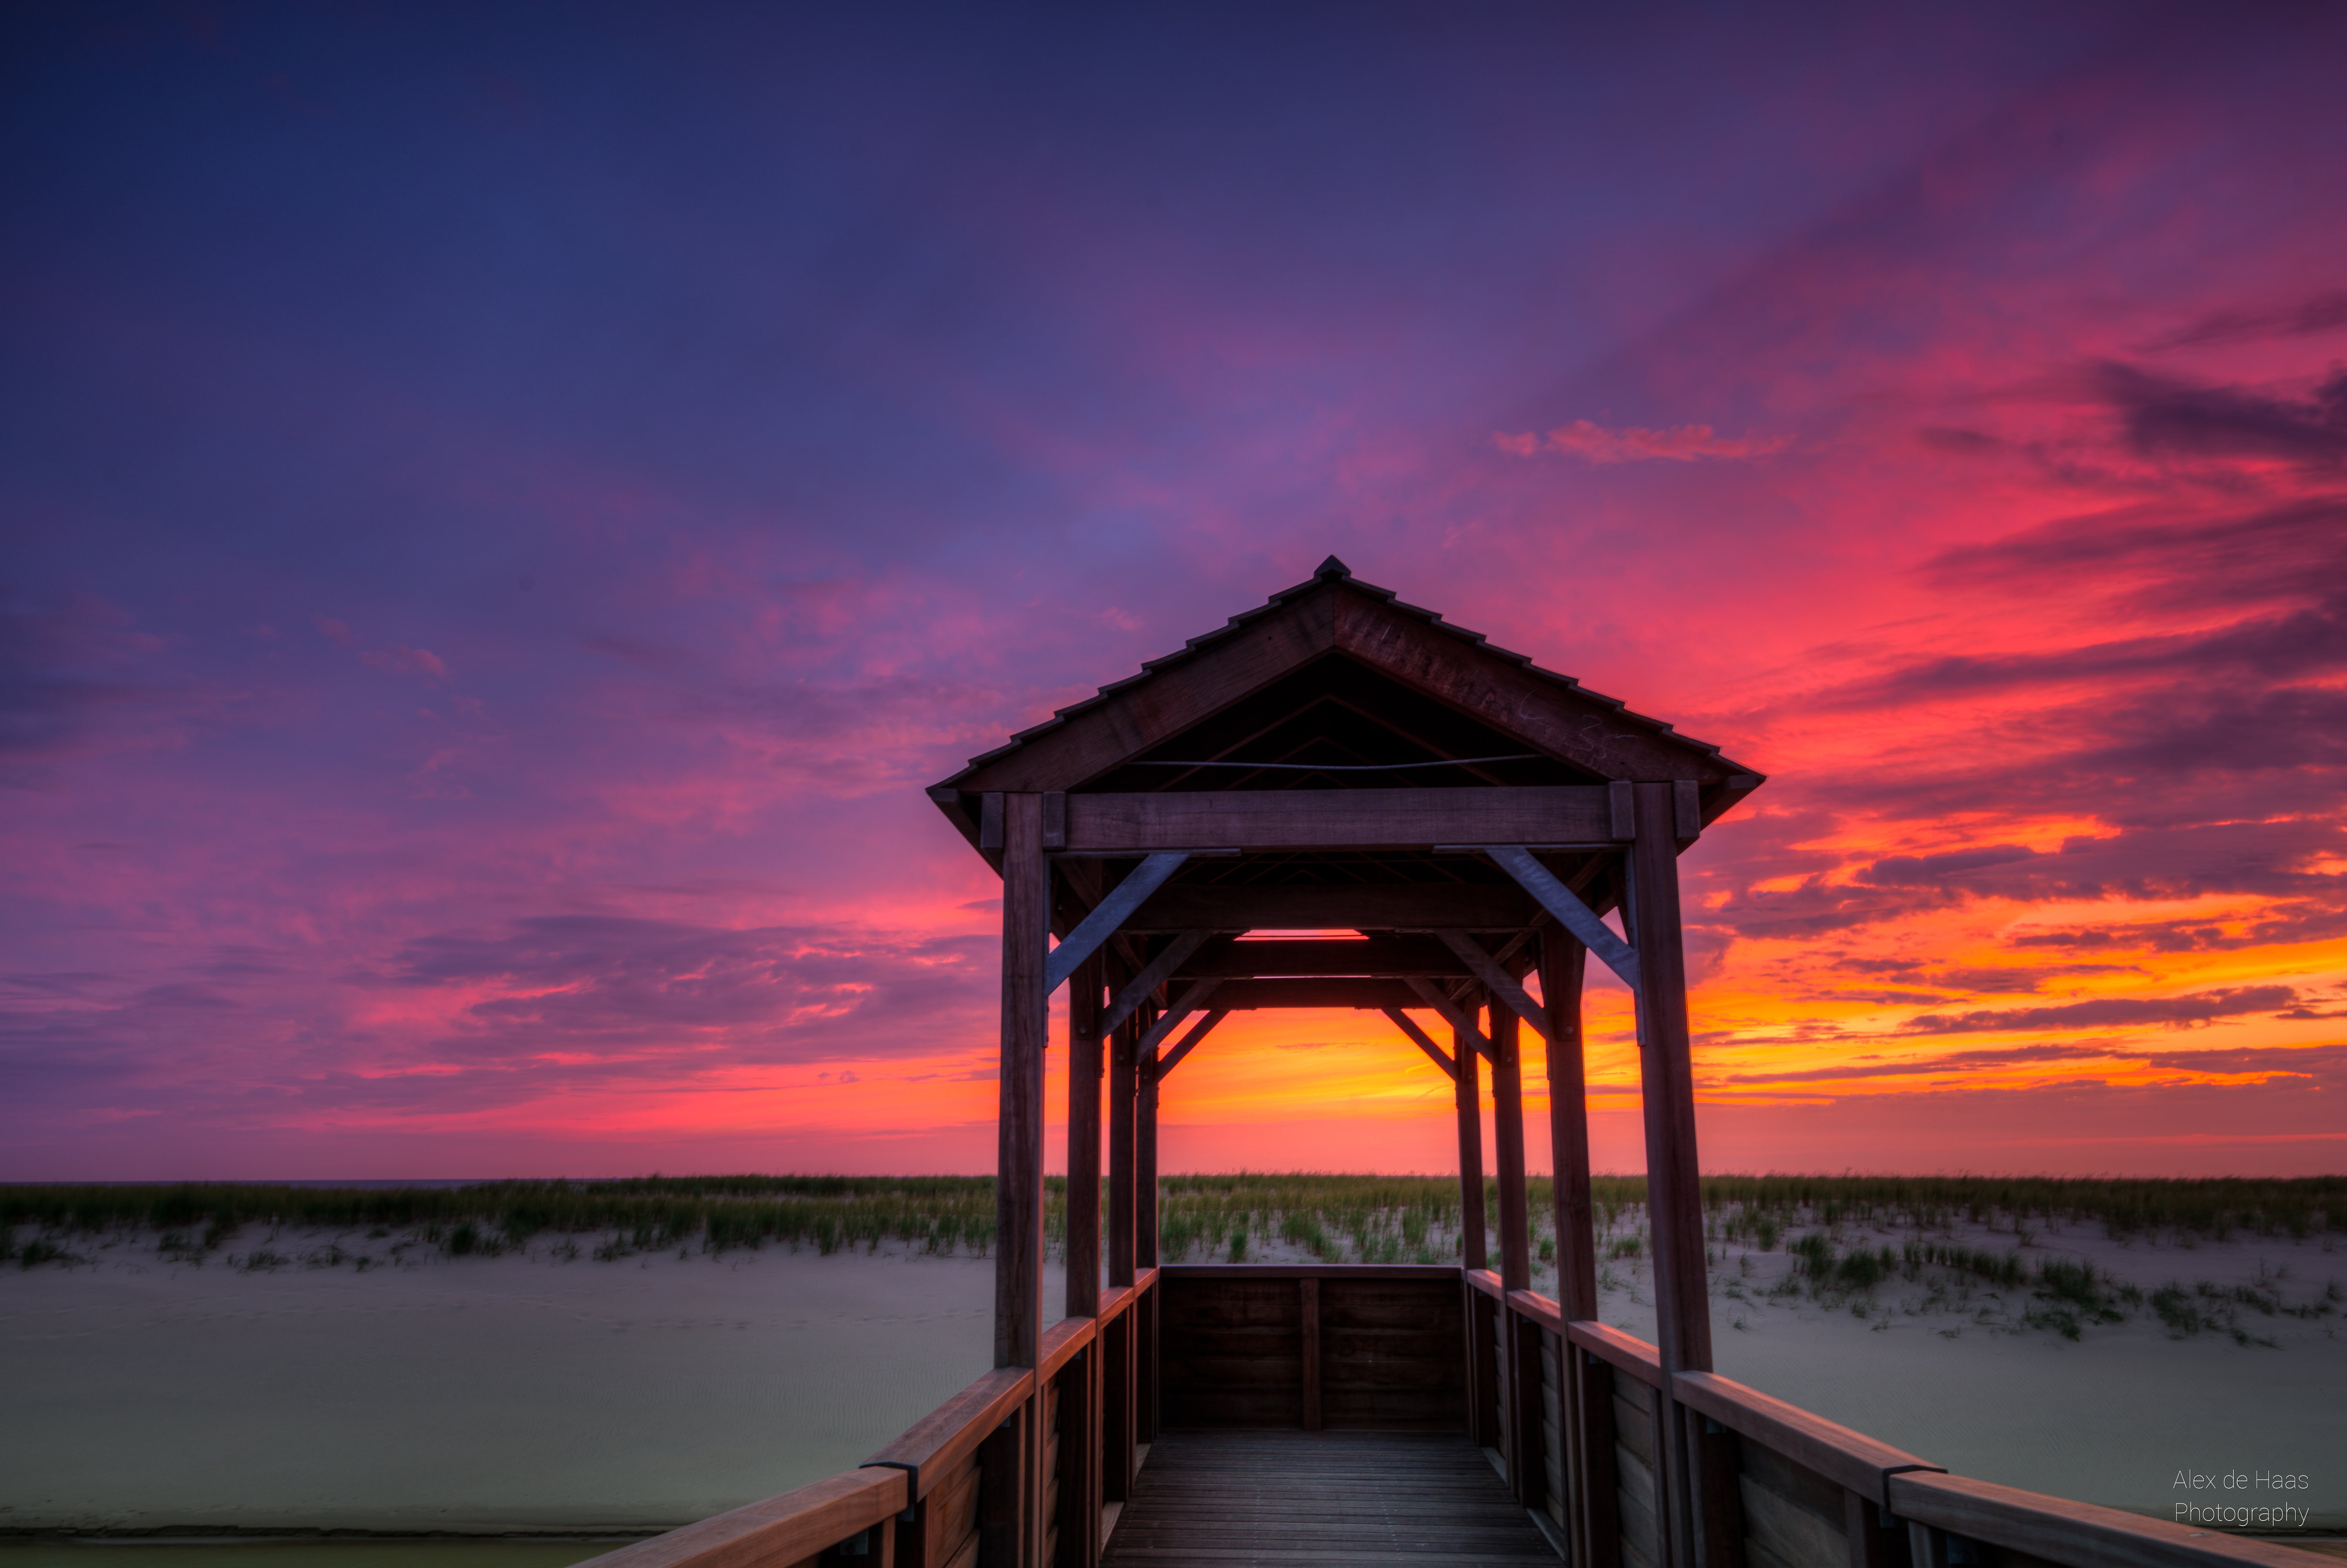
1364, 1218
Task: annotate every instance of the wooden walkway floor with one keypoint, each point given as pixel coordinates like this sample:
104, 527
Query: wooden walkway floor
1225, 1499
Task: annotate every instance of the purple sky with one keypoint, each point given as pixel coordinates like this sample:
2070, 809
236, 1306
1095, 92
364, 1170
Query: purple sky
505, 506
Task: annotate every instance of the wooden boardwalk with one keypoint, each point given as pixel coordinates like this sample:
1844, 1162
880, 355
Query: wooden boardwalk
1225, 1499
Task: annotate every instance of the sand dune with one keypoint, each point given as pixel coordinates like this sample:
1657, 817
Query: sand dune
524, 1393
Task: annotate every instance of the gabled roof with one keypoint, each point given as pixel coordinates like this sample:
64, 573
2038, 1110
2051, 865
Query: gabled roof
1417, 656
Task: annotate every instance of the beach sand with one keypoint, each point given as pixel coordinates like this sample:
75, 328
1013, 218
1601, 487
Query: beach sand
526, 1395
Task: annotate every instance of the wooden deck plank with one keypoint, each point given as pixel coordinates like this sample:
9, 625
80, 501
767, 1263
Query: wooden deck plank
1223, 1499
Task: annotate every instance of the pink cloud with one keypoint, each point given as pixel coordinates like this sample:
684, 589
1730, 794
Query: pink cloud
1635, 443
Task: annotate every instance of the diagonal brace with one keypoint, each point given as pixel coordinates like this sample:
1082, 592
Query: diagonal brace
1503, 984
1109, 914
1160, 968
1458, 1017
1192, 998
1571, 913
1198, 1031
1417, 1036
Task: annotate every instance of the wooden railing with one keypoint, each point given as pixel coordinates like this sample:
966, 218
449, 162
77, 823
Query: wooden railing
1772, 1485
1027, 1467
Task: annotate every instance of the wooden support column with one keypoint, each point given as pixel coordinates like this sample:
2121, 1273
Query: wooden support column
1123, 1101
1563, 962
1468, 1094
1518, 1339
1674, 1197
1144, 1242
1145, 1164
1508, 1149
1085, 991
1026, 1019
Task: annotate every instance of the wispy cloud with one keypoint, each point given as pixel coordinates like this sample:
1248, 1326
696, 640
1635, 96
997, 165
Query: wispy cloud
1635, 443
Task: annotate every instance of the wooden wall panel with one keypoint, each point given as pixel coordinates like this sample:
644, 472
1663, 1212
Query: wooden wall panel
1793, 1515
1390, 1353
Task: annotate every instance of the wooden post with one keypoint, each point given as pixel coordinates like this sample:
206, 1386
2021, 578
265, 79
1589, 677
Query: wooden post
1563, 962
1508, 1149
1519, 1361
1025, 1018
1145, 1238
1145, 1161
1124, 1102
1084, 998
1309, 1289
1673, 1196
1469, 1096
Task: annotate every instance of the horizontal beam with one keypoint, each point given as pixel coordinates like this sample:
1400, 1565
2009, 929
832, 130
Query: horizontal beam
1373, 906
1417, 1036
1384, 958
1246, 996
1107, 915
1337, 818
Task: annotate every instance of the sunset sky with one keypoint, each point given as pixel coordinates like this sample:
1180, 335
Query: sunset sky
503, 508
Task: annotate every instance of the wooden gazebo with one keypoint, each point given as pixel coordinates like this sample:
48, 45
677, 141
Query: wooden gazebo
1339, 760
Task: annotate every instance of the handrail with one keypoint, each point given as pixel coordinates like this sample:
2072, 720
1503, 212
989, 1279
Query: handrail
1310, 1271
933, 1446
2079, 1534
786, 1529
1539, 1308
1629, 1353
1844, 1457
1484, 1280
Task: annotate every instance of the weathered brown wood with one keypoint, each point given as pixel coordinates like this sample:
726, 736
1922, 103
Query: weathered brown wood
1563, 964
1847, 1458
1873, 1535
1337, 1497
1527, 1461
1502, 986
1384, 958
1508, 1150
1309, 1308
2077, 1534
1599, 1538
1363, 995
1025, 1018
1577, 726
1134, 991
1466, 1097
1718, 1480
1085, 989
1003, 1483
1610, 1345
1358, 1272
786, 1529
1419, 1038
1674, 1203
1371, 907
1145, 1152
1183, 1047
1465, 1028
1782, 1529
933, 1446
1337, 819
1118, 1438
1124, 1108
